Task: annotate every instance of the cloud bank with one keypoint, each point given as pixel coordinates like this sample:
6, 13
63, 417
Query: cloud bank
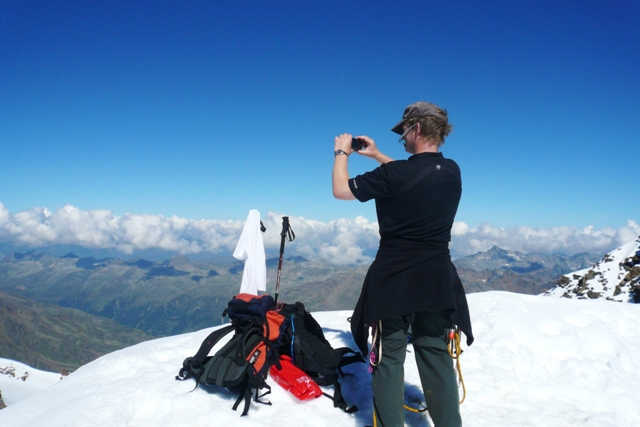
341, 241
467, 240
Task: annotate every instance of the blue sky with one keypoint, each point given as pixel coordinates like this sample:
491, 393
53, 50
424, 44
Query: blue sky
205, 110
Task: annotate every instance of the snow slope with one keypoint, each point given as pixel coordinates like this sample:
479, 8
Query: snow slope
536, 362
19, 381
616, 277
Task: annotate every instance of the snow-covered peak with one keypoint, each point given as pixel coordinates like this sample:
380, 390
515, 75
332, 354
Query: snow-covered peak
616, 277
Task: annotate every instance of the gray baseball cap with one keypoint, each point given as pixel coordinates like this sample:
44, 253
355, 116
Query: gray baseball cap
419, 109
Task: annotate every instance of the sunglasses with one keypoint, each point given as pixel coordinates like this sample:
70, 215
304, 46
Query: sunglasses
404, 135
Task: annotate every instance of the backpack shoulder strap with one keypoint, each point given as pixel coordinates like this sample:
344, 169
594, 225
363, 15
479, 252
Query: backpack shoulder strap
338, 400
246, 396
211, 341
193, 366
351, 358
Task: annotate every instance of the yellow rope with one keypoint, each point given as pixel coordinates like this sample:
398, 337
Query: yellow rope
454, 347
417, 411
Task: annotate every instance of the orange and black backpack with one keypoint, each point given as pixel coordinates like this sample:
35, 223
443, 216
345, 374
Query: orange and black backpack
242, 364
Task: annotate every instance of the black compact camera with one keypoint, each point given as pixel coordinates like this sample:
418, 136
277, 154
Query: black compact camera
357, 144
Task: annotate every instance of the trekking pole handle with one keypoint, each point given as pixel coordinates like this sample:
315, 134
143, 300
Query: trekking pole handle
286, 231
285, 228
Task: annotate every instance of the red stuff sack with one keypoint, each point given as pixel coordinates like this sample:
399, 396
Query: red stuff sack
295, 380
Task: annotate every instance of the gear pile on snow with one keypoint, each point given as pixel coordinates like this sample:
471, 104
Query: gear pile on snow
616, 277
263, 332
242, 364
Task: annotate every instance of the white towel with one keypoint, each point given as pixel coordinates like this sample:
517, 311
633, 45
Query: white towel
250, 248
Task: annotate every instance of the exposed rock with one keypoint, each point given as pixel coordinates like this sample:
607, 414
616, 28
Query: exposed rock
616, 277
594, 295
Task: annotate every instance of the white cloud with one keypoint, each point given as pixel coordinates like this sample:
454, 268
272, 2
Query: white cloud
570, 240
39, 227
341, 241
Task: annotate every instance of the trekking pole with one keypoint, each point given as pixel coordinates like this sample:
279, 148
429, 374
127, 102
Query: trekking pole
286, 232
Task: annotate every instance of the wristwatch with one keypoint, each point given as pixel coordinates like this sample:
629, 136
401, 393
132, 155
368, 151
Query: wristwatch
338, 152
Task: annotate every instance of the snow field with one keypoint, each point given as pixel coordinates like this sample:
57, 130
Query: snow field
536, 361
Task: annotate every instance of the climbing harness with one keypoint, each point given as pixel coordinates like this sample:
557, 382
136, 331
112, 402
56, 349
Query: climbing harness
375, 355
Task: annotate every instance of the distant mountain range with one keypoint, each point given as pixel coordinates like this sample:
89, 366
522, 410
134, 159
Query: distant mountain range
615, 277
181, 295
170, 297
531, 273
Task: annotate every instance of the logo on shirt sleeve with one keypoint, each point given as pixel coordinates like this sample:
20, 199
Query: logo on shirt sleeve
355, 185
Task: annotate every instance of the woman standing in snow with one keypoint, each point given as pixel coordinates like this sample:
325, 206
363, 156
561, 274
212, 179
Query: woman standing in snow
412, 282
